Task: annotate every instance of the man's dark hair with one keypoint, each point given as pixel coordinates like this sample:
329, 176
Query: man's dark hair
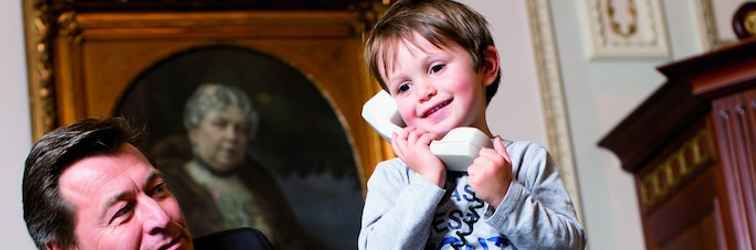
48, 217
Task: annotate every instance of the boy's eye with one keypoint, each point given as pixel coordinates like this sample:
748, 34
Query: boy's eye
436, 68
403, 88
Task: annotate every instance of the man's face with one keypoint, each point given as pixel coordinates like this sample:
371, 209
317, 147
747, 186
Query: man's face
221, 138
121, 202
436, 89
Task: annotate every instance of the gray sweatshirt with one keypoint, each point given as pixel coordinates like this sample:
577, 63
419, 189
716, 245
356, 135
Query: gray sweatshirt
403, 210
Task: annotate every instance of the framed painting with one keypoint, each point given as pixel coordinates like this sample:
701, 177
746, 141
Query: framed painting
250, 108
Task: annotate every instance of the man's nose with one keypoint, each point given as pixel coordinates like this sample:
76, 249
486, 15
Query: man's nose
154, 217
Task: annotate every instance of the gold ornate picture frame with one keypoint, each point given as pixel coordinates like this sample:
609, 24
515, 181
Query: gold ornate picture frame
81, 61
84, 57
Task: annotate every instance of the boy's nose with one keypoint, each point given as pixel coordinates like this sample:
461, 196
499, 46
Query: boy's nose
425, 92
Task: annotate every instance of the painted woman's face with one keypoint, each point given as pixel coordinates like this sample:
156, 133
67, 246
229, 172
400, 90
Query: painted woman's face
221, 138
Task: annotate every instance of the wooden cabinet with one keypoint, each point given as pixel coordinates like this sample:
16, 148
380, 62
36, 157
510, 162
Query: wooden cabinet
691, 147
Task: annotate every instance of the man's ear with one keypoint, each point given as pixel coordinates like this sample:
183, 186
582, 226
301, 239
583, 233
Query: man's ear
491, 65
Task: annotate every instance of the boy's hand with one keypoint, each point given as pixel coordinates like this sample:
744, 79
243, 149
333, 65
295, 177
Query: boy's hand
491, 173
412, 146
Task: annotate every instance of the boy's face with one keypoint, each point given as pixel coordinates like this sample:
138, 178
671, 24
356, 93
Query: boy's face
438, 89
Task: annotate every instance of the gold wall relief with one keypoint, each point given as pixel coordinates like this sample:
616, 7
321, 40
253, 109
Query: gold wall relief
630, 27
675, 168
625, 29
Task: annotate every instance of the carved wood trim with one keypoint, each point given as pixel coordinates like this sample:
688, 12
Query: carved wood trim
662, 178
684, 209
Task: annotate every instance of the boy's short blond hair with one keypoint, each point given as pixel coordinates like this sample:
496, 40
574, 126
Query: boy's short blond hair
439, 22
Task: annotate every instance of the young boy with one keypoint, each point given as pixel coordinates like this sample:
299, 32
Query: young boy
438, 61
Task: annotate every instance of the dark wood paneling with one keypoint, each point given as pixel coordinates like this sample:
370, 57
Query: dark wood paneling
689, 200
701, 236
662, 116
685, 210
734, 130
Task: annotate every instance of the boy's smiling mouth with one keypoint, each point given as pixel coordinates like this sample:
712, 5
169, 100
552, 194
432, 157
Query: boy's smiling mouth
435, 108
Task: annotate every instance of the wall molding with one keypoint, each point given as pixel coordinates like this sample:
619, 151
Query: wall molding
558, 135
707, 26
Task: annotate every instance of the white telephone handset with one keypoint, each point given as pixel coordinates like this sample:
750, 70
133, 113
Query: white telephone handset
457, 149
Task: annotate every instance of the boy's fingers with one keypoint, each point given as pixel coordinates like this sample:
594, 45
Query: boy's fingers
412, 137
501, 149
433, 136
425, 139
488, 153
395, 147
482, 162
472, 170
404, 133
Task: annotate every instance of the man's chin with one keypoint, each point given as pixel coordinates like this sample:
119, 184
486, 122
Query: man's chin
186, 244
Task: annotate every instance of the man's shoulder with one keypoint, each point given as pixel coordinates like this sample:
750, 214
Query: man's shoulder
240, 238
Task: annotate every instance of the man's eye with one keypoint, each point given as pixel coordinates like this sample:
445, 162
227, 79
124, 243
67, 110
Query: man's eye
123, 212
160, 190
436, 68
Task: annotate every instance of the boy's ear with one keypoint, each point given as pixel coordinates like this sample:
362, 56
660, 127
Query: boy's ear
490, 65
53, 246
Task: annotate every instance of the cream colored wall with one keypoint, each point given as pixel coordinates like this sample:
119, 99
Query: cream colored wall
515, 111
598, 96
15, 131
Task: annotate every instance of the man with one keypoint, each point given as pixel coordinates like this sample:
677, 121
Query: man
88, 187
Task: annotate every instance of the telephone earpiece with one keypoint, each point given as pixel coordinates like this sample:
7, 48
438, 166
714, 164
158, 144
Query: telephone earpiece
457, 149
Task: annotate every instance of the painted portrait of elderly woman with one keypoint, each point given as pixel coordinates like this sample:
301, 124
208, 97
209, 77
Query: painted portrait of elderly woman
245, 140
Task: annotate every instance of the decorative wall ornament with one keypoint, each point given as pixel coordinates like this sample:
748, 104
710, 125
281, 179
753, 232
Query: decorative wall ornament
624, 28
553, 100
